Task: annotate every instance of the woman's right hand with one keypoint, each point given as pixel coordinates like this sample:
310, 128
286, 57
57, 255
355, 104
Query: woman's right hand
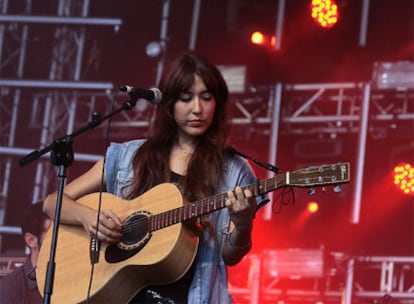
74, 213
109, 227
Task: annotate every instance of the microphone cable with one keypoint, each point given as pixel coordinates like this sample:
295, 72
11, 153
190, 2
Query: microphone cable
94, 242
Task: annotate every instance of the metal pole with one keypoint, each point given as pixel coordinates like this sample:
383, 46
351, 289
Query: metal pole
349, 282
364, 23
255, 268
277, 96
279, 24
23, 151
163, 39
361, 154
40, 166
194, 25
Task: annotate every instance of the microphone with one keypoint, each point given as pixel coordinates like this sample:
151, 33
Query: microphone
153, 95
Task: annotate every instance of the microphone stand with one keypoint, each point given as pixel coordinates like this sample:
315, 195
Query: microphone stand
267, 166
62, 156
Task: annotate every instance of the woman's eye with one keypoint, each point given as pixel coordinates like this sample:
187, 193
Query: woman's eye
188, 97
185, 97
207, 96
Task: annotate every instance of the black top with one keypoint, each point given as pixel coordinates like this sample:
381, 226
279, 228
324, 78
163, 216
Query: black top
167, 294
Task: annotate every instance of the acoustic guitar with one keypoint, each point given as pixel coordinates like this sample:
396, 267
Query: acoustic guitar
156, 248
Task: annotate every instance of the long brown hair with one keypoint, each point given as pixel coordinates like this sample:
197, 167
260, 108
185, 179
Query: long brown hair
151, 162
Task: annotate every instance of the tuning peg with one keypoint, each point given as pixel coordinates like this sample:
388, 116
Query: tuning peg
337, 189
311, 191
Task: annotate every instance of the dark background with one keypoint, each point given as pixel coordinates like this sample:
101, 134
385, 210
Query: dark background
309, 54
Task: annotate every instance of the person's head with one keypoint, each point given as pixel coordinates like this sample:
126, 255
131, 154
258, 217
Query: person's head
193, 106
192, 87
34, 224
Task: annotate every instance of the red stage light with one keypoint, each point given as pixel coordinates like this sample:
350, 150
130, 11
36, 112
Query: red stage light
404, 178
313, 207
273, 41
325, 12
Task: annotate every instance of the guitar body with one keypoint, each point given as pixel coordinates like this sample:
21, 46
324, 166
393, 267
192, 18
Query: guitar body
163, 258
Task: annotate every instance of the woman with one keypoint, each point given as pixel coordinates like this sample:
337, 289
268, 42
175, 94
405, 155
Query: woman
187, 146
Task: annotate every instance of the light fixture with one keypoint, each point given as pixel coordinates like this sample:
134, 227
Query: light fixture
404, 178
324, 12
153, 49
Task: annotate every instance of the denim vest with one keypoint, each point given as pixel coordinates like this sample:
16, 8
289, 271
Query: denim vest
209, 284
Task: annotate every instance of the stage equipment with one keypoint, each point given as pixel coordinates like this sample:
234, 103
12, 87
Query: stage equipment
393, 75
324, 12
235, 77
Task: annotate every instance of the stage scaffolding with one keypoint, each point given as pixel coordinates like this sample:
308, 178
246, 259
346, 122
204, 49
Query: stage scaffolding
55, 98
303, 276
61, 101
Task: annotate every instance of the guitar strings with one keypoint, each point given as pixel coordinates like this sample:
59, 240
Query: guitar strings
174, 216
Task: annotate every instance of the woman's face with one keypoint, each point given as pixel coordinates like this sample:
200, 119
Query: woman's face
194, 110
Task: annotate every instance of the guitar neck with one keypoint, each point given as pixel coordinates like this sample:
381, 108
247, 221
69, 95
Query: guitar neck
309, 177
208, 205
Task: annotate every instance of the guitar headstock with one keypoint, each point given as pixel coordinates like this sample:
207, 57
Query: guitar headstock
333, 174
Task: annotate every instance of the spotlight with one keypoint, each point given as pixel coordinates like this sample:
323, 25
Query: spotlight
153, 49
257, 38
313, 207
404, 178
263, 40
324, 12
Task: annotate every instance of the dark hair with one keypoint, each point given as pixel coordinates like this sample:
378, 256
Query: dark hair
151, 162
33, 219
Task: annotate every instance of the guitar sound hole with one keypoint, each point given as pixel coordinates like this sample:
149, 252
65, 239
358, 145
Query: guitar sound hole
134, 230
135, 237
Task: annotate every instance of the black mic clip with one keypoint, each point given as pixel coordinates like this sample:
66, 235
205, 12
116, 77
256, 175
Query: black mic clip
153, 95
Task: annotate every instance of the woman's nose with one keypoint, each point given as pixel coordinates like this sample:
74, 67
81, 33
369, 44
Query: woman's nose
197, 106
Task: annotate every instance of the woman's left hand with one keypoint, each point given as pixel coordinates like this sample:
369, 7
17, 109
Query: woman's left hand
242, 206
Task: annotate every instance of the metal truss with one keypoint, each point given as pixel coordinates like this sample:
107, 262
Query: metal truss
346, 281
334, 108
328, 110
55, 98
394, 274
7, 265
306, 109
